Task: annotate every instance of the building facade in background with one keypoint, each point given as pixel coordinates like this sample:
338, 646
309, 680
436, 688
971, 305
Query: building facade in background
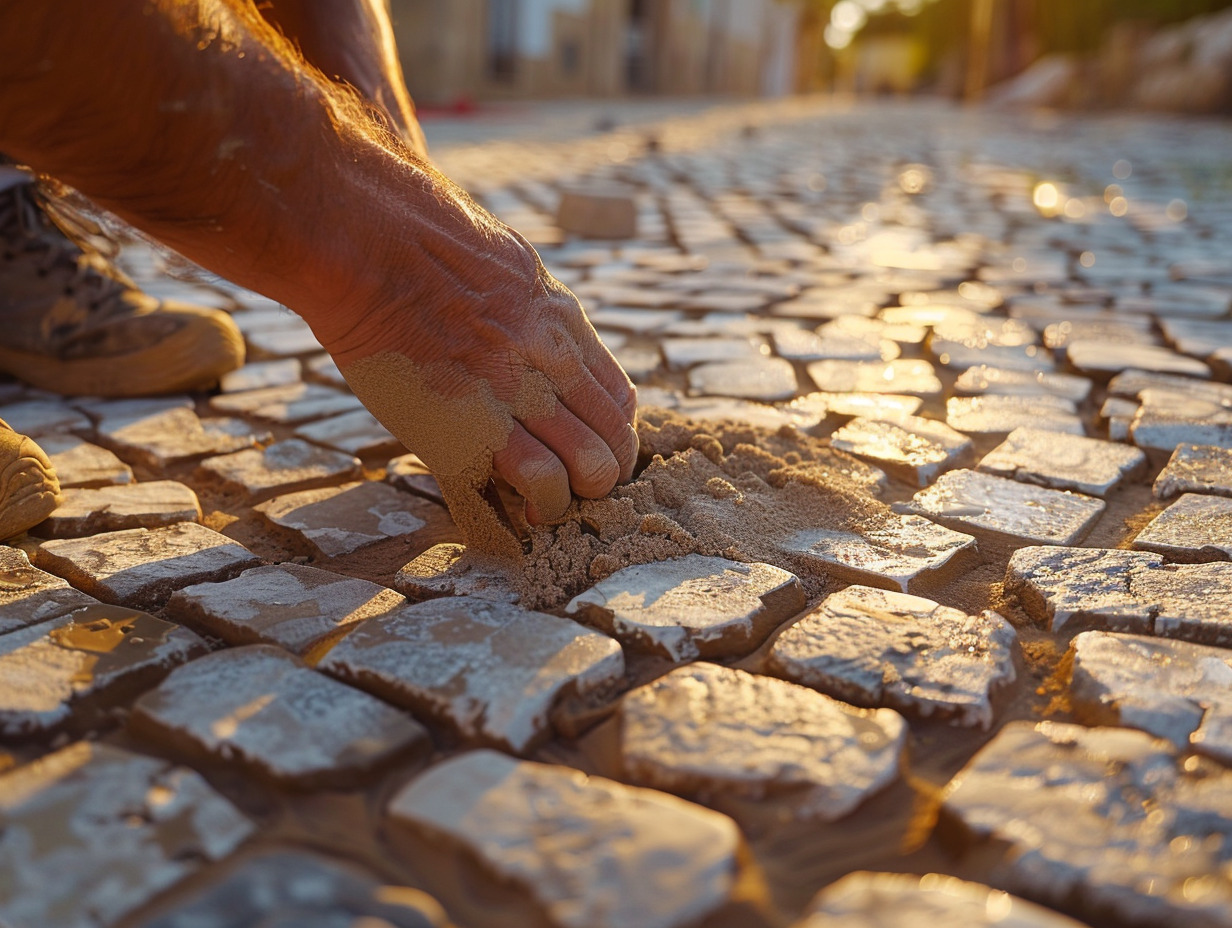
459, 51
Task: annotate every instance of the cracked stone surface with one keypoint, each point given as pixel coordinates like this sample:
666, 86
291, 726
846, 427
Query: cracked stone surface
97, 653
878, 648
290, 403
443, 570
339, 520
996, 414
911, 448
152, 504
109, 829
489, 671
591, 852
141, 567
1196, 469
1106, 820
995, 507
81, 464
29, 595
283, 467
293, 606
1174, 690
261, 708
705, 730
765, 379
891, 900
1064, 462
914, 377
357, 433
691, 607
985, 380
1196, 527
1123, 591
168, 437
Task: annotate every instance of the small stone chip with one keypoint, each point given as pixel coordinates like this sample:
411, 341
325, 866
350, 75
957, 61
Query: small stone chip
692, 606
299, 889
1002, 509
875, 648
283, 467
29, 595
1170, 689
1064, 462
109, 509
81, 464
490, 671
141, 567
1196, 469
1109, 821
912, 448
590, 852
340, 520
294, 606
766, 379
1194, 528
999, 415
161, 438
895, 900
98, 653
109, 830
261, 708
711, 730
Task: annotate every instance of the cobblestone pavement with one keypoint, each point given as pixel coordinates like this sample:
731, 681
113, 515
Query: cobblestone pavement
217, 708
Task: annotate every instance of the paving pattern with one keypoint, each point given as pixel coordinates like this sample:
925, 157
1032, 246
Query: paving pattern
238, 686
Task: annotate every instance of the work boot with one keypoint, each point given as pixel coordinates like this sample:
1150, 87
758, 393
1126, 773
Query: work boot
74, 324
29, 490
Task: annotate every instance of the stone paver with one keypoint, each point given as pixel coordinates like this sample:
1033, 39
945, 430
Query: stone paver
765, 379
260, 374
1102, 359
97, 654
109, 830
153, 504
711, 730
340, 520
590, 852
357, 433
1196, 527
290, 403
1168, 417
29, 595
986, 380
141, 567
1104, 820
447, 570
1196, 469
873, 647
911, 448
1006, 510
408, 473
681, 353
852, 405
489, 671
162, 438
1170, 689
913, 377
691, 607
261, 708
39, 417
1064, 462
283, 467
294, 606
997, 414
81, 464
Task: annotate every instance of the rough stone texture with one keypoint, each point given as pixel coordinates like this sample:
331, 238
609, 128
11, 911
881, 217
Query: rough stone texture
490, 671
29, 595
765, 379
261, 708
1171, 689
109, 509
1196, 469
357, 433
109, 830
912, 377
293, 606
895, 554
97, 653
911, 448
692, 606
288, 888
444, 570
339, 520
38, 417
288, 404
1169, 417
872, 647
141, 567
81, 464
1101, 359
999, 415
989, 506
168, 437
1064, 462
408, 473
707, 731
591, 852
1106, 820
895, 900
1194, 528
283, 467
1123, 591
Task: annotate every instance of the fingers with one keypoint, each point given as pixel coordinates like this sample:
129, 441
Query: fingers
535, 472
606, 370
588, 458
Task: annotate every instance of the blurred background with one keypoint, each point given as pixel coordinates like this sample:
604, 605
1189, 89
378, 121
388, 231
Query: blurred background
1169, 55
